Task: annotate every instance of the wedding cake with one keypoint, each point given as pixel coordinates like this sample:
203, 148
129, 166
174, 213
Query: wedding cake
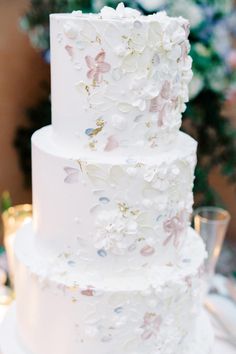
110, 263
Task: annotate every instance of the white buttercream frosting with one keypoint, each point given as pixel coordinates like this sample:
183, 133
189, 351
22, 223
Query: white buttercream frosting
199, 341
147, 310
129, 66
133, 210
110, 246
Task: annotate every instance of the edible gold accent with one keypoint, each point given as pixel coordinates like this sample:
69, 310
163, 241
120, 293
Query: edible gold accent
100, 125
140, 164
87, 89
123, 208
92, 144
80, 165
98, 40
135, 212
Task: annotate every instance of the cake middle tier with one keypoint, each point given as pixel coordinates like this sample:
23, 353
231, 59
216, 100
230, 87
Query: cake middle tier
125, 212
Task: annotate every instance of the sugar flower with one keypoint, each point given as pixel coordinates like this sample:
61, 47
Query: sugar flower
97, 66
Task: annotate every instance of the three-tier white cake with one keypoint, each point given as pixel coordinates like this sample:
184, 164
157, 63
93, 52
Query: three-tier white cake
110, 264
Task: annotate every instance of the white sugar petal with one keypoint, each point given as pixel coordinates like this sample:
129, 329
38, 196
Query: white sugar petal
88, 32
130, 63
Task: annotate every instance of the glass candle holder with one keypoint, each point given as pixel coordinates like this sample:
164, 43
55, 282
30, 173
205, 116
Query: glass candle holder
13, 219
211, 223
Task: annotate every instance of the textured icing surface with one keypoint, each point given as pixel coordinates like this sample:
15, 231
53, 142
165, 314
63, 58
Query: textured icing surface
118, 79
110, 262
124, 213
132, 315
198, 342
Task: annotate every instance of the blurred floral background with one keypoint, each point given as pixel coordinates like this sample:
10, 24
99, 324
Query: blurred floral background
211, 113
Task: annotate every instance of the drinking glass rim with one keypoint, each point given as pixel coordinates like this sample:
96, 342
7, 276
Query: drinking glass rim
222, 211
16, 209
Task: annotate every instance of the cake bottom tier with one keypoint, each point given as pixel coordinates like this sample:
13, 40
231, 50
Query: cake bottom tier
199, 342
62, 310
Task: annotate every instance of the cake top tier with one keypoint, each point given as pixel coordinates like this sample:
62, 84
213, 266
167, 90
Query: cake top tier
119, 79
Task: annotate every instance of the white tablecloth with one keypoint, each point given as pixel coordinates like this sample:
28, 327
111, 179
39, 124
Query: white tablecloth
227, 311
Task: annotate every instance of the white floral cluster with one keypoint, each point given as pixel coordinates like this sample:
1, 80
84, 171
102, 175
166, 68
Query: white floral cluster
162, 178
115, 232
169, 185
120, 12
154, 67
152, 54
134, 69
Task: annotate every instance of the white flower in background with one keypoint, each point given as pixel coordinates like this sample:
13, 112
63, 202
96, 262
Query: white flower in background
151, 5
202, 50
223, 47
217, 79
97, 5
115, 232
196, 85
224, 7
189, 10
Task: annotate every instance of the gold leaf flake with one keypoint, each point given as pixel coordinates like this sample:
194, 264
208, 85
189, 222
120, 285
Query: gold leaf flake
92, 144
139, 164
123, 207
135, 212
100, 125
98, 40
80, 164
87, 89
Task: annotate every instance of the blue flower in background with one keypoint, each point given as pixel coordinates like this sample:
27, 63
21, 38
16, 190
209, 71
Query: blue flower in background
47, 56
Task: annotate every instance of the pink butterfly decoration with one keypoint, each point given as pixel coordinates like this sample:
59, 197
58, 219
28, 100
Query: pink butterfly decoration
166, 90
112, 143
186, 27
88, 292
156, 106
175, 101
184, 50
174, 228
97, 66
147, 251
72, 175
151, 325
70, 50
188, 281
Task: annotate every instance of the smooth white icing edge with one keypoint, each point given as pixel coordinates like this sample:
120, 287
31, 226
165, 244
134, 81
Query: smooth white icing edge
45, 141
